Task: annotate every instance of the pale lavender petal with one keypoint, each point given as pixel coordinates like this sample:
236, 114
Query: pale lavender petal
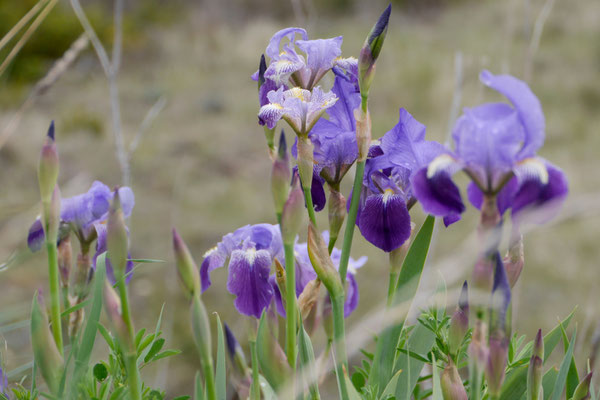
273, 49
527, 105
101, 247
36, 237
321, 53
351, 295
249, 281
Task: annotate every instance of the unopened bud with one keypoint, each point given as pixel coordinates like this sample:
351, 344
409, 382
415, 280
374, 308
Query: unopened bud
48, 166
514, 261
201, 328
292, 214
308, 298
189, 275
83, 276
483, 274
496, 364
534, 371
65, 260
501, 296
116, 237
112, 306
305, 161
322, 264
337, 214
280, 277
459, 323
51, 216
370, 51
363, 133
280, 176
452, 385
478, 350
582, 392
46, 354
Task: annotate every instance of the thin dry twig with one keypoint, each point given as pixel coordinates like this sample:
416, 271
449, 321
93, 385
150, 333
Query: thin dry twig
536, 36
22, 22
146, 122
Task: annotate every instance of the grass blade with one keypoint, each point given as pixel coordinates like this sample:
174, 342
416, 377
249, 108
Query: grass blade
220, 373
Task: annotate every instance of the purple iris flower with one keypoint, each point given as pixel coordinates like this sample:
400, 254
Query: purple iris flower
386, 194
82, 212
299, 62
300, 108
3, 383
305, 273
250, 251
496, 145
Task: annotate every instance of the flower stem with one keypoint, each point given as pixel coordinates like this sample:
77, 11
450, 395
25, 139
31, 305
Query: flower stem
54, 294
339, 339
133, 374
349, 232
202, 337
309, 205
255, 387
290, 305
392, 287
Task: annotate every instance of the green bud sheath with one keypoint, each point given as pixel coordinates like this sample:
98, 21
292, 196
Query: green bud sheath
322, 264
293, 213
188, 271
48, 166
452, 385
116, 237
535, 371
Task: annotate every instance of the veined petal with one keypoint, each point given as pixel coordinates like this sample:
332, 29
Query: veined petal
213, 259
527, 105
538, 202
385, 221
249, 281
288, 33
351, 295
270, 114
321, 53
437, 194
288, 62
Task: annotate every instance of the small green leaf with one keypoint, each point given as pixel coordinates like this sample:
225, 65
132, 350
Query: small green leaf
156, 347
75, 308
307, 361
437, 386
572, 376
561, 378
106, 335
138, 337
100, 372
146, 260
165, 354
198, 389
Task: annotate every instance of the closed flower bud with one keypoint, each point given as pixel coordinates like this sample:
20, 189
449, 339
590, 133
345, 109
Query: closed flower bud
337, 214
48, 166
321, 261
116, 237
501, 296
280, 176
52, 216
305, 161
201, 328
65, 260
112, 306
189, 275
308, 298
534, 371
235, 351
496, 365
478, 350
514, 261
293, 213
483, 275
280, 277
46, 354
363, 133
452, 385
459, 323
582, 392
370, 51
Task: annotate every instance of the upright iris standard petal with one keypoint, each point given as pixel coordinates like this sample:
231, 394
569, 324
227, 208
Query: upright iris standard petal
273, 49
526, 104
249, 281
385, 221
320, 54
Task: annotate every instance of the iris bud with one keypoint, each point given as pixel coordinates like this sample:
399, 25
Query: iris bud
280, 176
235, 351
52, 216
582, 392
201, 328
188, 271
116, 237
322, 264
112, 306
293, 213
459, 323
337, 214
363, 133
496, 364
514, 261
308, 298
46, 354
370, 51
48, 166
452, 385
305, 161
534, 371
65, 260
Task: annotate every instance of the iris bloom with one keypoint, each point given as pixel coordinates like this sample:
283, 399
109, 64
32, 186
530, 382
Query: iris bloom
86, 214
305, 273
299, 107
386, 194
495, 145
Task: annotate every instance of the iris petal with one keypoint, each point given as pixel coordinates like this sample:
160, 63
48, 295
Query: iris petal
385, 221
249, 281
438, 195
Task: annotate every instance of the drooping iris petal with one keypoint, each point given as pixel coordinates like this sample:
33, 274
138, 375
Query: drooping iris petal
249, 281
85, 209
539, 202
385, 221
36, 237
527, 105
438, 195
280, 70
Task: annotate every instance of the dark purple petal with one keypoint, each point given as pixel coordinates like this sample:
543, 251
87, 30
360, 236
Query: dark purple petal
317, 191
501, 290
249, 281
527, 105
385, 221
537, 202
35, 237
351, 295
439, 195
504, 198
211, 262
264, 90
450, 219
277, 296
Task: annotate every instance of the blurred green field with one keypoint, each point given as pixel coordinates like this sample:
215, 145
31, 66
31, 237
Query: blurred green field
202, 166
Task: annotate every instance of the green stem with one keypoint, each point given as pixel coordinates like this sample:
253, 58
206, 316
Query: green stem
133, 374
339, 338
204, 347
309, 205
349, 232
331, 245
392, 287
290, 305
255, 387
54, 294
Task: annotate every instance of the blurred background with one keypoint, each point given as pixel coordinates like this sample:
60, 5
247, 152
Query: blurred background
200, 161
